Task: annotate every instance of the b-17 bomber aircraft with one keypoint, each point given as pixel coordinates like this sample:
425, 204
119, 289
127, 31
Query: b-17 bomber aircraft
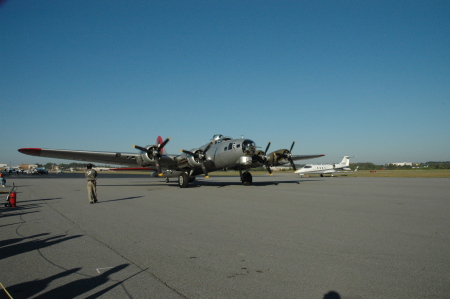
219, 154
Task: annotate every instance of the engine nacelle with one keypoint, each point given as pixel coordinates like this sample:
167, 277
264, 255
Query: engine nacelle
147, 157
278, 157
194, 161
259, 156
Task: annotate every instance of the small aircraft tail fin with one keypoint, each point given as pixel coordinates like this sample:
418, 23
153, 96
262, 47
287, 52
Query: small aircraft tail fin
345, 161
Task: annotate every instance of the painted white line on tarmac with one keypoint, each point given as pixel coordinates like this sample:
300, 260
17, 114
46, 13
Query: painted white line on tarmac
99, 269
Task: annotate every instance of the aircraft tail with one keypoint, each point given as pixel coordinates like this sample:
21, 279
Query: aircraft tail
345, 161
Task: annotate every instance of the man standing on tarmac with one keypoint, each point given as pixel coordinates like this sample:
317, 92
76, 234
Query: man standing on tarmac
91, 177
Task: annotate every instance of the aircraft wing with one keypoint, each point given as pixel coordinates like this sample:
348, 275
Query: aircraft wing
134, 169
348, 169
305, 157
128, 159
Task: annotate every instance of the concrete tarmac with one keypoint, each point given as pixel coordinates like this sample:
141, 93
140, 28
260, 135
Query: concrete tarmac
282, 237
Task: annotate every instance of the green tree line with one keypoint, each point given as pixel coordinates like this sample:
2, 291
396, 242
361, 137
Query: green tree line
428, 165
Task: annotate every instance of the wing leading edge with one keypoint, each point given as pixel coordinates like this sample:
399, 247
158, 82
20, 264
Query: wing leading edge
305, 157
128, 159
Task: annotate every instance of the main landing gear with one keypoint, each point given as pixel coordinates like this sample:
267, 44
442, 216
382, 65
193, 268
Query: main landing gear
184, 179
246, 178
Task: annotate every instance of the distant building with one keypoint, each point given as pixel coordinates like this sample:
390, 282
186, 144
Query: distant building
27, 166
402, 164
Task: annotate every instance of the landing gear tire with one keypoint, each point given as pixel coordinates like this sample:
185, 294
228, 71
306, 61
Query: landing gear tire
246, 178
183, 180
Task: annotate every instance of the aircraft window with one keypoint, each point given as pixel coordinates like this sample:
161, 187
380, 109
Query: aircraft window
225, 148
230, 146
307, 166
238, 146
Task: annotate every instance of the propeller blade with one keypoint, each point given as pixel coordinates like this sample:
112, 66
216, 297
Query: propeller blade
158, 167
157, 156
268, 168
140, 148
187, 152
162, 145
204, 169
262, 158
290, 156
292, 163
266, 161
204, 159
267, 148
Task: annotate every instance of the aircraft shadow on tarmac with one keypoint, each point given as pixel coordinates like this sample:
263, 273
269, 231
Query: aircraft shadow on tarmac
196, 184
255, 184
123, 185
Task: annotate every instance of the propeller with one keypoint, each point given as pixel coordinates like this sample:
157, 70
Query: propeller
287, 155
200, 156
264, 159
154, 152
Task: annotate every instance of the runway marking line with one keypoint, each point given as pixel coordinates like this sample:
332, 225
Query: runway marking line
4, 289
98, 269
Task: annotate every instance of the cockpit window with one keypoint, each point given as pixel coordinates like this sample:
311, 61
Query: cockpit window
217, 137
248, 147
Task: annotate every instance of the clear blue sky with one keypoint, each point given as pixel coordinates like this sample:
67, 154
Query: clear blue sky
364, 78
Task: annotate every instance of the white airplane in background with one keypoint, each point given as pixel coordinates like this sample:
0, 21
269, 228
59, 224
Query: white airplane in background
327, 169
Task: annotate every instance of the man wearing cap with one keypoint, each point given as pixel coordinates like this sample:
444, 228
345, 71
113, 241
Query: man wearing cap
91, 177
